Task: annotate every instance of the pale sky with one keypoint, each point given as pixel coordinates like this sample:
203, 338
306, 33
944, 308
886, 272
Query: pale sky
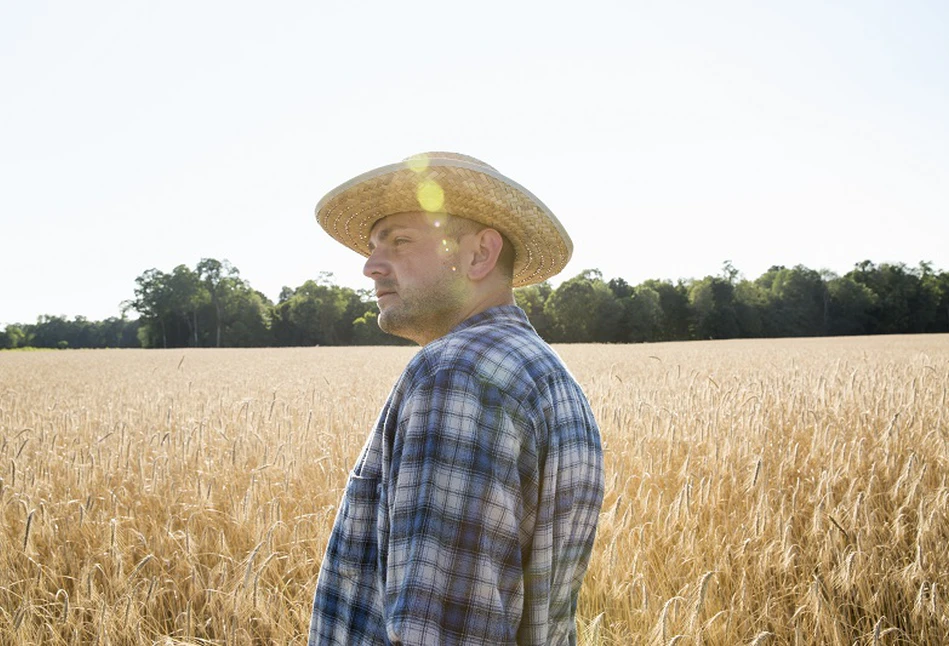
666, 136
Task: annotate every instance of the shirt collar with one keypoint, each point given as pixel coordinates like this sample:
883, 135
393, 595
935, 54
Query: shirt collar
494, 316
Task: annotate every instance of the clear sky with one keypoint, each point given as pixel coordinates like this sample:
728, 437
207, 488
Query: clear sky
666, 136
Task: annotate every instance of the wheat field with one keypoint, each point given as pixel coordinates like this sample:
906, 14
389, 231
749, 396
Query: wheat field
758, 492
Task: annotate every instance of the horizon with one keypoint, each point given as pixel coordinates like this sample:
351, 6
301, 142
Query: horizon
555, 281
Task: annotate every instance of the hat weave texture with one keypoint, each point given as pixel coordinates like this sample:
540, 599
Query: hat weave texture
459, 185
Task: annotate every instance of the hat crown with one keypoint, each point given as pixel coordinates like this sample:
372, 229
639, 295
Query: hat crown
422, 159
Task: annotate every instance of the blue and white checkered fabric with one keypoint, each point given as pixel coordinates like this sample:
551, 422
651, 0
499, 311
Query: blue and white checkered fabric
471, 513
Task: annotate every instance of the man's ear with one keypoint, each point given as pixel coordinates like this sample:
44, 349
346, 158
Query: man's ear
486, 245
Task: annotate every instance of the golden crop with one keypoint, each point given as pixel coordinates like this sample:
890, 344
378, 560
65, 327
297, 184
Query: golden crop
758, 492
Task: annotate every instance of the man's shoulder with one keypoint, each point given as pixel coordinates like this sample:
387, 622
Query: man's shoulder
502, 350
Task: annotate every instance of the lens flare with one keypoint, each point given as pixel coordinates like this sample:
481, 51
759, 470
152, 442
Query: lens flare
430, 196
418, 163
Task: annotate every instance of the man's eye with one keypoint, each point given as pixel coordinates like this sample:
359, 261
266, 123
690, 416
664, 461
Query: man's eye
400, 241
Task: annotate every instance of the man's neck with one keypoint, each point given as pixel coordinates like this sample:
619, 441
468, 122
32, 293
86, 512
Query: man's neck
477, 304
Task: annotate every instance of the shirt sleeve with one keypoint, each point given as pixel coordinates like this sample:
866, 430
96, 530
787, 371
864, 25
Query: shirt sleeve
462, 461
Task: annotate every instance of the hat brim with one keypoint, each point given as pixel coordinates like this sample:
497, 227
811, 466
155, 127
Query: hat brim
476, 192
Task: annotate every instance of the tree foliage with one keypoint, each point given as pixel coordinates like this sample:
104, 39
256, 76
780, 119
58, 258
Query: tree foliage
211, 305
583, 309
60, 332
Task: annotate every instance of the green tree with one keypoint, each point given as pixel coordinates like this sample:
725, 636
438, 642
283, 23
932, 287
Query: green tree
366, 331
935, 286
939, 284
903, 304
584, 310
656, 310
797, 301
357, 304
115, 332
14, 336
623, 293
80, 332
532, 299
676, 312
208, 306
246, 318
712, 301
241, 314
153, 302
187, 296
311, 315
850, 307
218, 279
51, 332
620, 288
643, 315
752, 303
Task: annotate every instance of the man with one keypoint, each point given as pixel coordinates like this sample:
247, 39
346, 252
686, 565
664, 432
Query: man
470, 515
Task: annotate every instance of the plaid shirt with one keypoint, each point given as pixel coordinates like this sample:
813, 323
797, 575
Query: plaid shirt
470, 515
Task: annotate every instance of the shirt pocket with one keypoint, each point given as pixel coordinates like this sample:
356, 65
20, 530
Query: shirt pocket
354, 547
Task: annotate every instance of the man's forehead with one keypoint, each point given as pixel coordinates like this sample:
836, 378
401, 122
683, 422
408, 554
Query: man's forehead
413, 220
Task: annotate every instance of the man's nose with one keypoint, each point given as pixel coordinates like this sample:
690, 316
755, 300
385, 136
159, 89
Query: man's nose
374, 266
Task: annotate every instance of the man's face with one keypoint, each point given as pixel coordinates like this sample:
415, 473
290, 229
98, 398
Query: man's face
420, 286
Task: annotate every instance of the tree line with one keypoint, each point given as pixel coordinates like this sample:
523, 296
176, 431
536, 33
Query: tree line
211, 305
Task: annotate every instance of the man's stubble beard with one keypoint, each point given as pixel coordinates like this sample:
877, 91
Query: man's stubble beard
429, 311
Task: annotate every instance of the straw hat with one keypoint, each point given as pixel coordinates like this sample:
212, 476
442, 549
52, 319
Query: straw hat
440, 182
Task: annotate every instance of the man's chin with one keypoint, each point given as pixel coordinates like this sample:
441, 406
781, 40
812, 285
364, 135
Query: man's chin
389, 322
387, 325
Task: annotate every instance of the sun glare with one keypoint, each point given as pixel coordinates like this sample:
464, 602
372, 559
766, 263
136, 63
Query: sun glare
430, 196
418, 163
